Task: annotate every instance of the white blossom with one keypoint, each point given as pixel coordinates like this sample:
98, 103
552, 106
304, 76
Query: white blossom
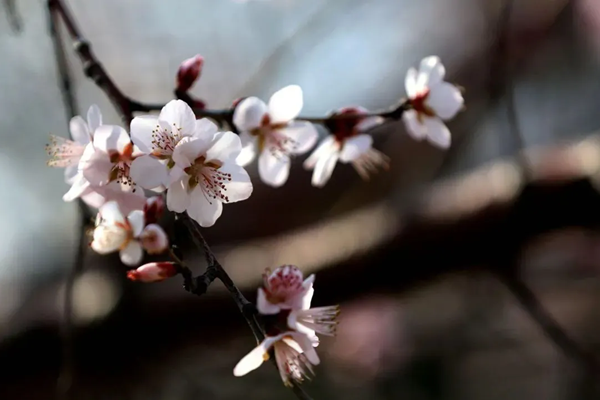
114, 232
205, 175
110, 158
67, 154
347, 143
157, 137
294, 355
283, 289
272, 131
432, 101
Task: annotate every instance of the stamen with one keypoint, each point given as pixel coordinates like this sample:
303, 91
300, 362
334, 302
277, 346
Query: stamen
63, 152
370, 162
164, 140
322, 320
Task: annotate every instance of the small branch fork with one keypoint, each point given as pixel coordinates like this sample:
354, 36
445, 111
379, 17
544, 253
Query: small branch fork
198, 285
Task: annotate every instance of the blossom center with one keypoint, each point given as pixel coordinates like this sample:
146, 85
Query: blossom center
344, 127
164, 141
122, 164
210, 178
269, 136
419, 104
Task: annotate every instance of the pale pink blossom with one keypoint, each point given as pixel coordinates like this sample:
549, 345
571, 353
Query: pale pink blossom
347, 143
206, 175
272, 131
294, 354
432, 101
153, 272
284, 289
154, 239
110, 158
65, 153
114, 232
157, 138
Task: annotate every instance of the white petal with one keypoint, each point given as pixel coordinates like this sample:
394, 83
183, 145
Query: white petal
306, 345
325, 148
108, 238
273, 170
128, 200
95, 165
369, 123
178, 198
249, 113
132, 254
71, 174
437, 132
176, 174
355, 146
264, 306
308, 295
202, 209
93, 198
414, 128
431, 71
78, 188
240, 186
142, 128
111, 138
286, 104
324, 168
205, 129
410, 83
188, 150
94, 118
445, 99
154, 239
303, 134
137, 222
149, 172
180, 117
79, 130
249, 148
111, 213
292, 323
255, 358
225, 146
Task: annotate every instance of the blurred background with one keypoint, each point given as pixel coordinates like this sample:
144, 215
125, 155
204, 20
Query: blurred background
411, 256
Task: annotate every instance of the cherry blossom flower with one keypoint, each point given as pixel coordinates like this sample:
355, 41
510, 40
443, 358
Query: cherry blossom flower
67, 154
189, 71
271, 131
110, 158
322, 320
348, 144
432, 101
157, 138
284, 289
294, 354
206, 175
128, 235
153, 272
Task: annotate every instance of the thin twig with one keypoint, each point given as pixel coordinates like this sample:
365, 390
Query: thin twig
549, 325
215, 269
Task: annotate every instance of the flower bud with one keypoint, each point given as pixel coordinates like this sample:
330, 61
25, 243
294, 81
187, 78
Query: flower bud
189, 71
153, 209
154, 239
153, 272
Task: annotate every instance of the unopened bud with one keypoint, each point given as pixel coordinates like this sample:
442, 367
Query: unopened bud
154, 239
153, 209
189, 71
153, 272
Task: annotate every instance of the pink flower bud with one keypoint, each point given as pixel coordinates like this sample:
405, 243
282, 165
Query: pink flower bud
153, 209
154, 239
153, 272
188, 72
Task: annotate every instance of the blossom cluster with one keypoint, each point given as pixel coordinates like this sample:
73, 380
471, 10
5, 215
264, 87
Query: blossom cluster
292, 325
186, 165
200, 168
